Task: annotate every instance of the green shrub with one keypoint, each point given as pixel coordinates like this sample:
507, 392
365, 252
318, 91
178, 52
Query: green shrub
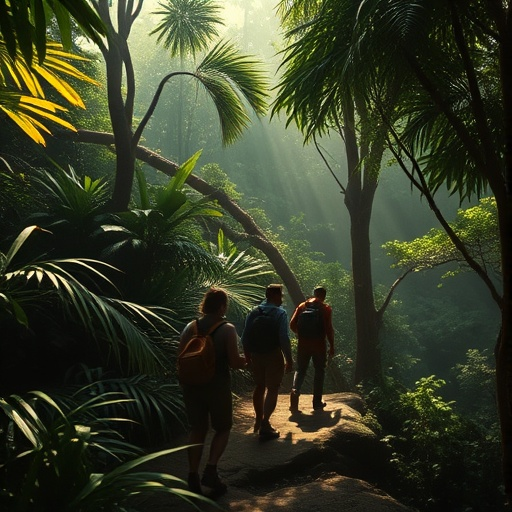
441, 461
58, 457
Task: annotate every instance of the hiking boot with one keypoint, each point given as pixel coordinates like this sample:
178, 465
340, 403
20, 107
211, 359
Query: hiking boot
294, 401
267, 431
319, 406
211, 479
194, 483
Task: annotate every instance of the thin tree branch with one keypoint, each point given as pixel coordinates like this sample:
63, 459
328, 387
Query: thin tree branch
147, 116
422, 186
389, 296
329, 168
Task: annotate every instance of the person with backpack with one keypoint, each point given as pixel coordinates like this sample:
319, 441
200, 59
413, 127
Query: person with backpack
210, 400
312, 322
268, 352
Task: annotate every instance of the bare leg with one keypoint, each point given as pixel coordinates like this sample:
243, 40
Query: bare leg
196, 437
270, 403
217, 446
210, 476
258, 400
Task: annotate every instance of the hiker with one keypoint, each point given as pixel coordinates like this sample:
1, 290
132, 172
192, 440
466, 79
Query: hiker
211, 401
268, 353
312, 322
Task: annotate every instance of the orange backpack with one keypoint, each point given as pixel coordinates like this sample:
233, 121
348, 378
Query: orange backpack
196, 362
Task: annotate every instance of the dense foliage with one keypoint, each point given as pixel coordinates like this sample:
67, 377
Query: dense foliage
439, 459
96, 299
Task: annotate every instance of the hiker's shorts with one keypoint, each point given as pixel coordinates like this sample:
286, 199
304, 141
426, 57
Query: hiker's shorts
209, 402
268, 368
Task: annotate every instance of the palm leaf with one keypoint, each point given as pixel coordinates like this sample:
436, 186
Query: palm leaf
28, 112
231, 78
24, 24
154, 405
64, 440
74, 201
123, 482
18, 244
24, 423
178, 180
187, 26
239, 275
116, 320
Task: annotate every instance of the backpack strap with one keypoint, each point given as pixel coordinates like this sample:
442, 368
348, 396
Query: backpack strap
213, 328
216, 326
211, 331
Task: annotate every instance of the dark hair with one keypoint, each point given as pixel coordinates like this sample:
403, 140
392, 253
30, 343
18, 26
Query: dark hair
320, 292
213, 300
274, 290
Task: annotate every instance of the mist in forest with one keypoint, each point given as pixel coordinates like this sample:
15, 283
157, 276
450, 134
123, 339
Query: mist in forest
103, 271
277, 173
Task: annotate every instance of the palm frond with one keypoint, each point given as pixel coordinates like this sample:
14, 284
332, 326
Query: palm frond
239, 276
60, 464
73, 199
52, 69
187, 26
314, 75
121, 323
155, 406
27, 106
29, 113
230, 78
24, 24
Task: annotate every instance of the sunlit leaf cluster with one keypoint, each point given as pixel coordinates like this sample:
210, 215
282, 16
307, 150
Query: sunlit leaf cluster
22, 96
24, 24
477, 227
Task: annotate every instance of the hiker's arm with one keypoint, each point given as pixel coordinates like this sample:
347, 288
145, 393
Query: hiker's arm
185, 336
235, 360
245, 341
293, 321
329, 329
284, 341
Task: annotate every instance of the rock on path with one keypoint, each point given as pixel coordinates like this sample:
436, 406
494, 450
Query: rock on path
319, 463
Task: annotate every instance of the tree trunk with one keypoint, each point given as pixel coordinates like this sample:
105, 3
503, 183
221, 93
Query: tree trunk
121, 96
359, 195
368, 357
253, 233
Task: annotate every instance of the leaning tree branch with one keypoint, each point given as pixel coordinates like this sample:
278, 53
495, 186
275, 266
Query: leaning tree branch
255, 235
389, 296
422, 186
